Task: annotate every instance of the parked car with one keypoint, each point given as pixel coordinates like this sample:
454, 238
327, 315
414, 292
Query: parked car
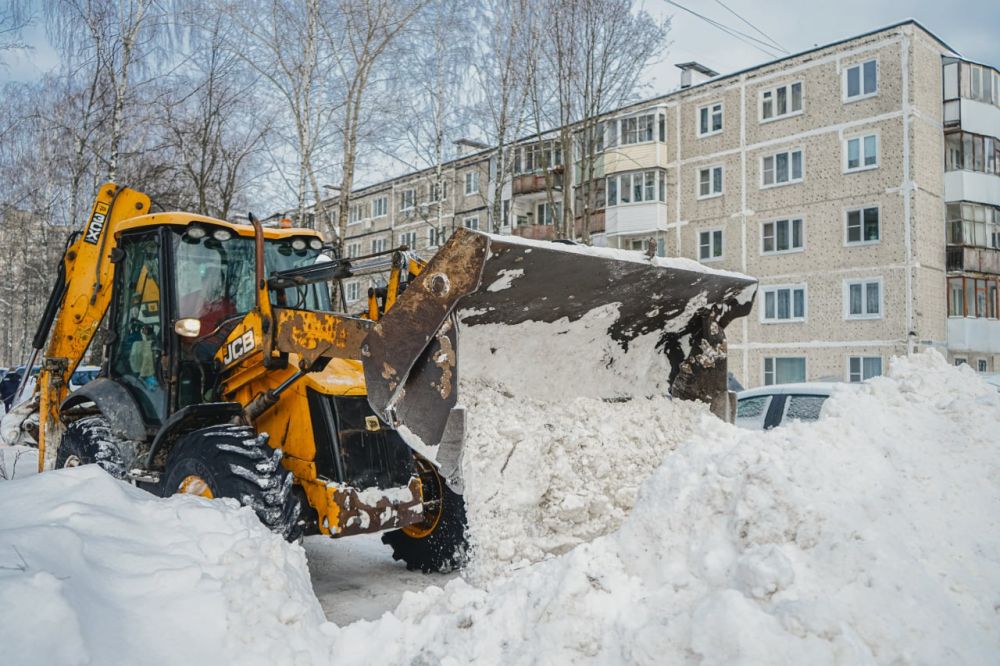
82, 375
770, 406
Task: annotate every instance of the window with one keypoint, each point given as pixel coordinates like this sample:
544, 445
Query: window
781, 101
803, 408
861, 368
784, 370
407, 199
471, 182
351, 291
863, 226
710, 119
972, 297
973, 224
378, 245
861, 80
781, 168
636, 187
409, 239
961, 361
781, 236
783, 304
861, 153
353, 250
356, 213
710, 182
380, 206
438, 191
710, 244
863, 299
471, 223
972, 152
637, 129
751, 412
547, 213
436, 237
981, 365
537, 157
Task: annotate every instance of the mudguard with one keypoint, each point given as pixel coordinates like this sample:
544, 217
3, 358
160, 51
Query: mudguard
115, 403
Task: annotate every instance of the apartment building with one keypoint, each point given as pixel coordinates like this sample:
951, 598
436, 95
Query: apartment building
858, 181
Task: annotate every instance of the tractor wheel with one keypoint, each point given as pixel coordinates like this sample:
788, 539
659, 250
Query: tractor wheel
236, 462
436, 544
89, 440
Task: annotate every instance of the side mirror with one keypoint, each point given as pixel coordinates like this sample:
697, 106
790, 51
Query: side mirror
187, 328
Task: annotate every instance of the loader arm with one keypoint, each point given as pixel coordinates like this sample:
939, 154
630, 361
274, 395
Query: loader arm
76, 306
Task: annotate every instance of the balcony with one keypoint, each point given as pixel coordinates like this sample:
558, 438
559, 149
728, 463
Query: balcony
970, 334
972, 259
531, 183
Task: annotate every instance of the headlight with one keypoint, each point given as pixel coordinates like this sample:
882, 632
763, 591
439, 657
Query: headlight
316, 244
196, 232
298, 244
222, 234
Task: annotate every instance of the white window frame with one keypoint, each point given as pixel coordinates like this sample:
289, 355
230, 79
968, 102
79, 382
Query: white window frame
850, 374
712, 193
710, 111
791, 180
861, 211
356, 214
620, 124
437, 237
847, 284
762, 299
774, 368
378, 245
860, 138
471, 183
861, 81
659, 181
352, 292
471, 218
380, 202
409, 239
711, 244
353, 249
961, 360
982, 365
789, 219
413, 199
774, 98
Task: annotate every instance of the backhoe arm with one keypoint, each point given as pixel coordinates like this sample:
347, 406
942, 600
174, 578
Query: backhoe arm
76, 306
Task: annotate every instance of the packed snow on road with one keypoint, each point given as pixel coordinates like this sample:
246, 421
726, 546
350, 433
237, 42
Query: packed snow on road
641, 532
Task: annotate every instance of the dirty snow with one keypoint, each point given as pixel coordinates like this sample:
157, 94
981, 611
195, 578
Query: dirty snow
542, 361
869, 537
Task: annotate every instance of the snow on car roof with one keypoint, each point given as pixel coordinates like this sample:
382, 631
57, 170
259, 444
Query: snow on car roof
803, 388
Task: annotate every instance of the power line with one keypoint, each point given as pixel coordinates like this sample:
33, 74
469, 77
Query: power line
732, 32
769, 38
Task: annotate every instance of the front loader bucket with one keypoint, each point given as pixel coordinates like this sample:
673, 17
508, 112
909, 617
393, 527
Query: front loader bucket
550, 321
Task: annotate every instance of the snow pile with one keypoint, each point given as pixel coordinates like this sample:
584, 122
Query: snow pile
93, 571
543, 477
870, 536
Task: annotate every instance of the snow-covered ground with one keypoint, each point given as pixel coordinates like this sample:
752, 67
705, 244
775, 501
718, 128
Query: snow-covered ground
606, 533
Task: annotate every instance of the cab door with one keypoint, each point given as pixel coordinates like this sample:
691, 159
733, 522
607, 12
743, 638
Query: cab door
135, 358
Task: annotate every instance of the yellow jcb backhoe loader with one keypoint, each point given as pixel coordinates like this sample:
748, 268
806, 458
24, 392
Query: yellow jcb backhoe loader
227, 373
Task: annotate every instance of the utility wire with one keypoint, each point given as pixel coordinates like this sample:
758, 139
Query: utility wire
761, 32
732, 32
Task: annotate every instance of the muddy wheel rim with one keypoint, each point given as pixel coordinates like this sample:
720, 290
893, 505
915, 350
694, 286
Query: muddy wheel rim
192, 484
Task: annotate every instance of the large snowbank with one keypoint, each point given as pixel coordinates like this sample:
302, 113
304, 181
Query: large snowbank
870, 536
93, 571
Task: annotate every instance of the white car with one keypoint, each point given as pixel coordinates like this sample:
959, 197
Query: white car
770, 406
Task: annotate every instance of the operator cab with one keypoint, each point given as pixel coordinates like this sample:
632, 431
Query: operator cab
201, 275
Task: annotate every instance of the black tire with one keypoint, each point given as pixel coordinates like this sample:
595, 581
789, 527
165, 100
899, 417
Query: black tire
442, 545
89, 440
236, 462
